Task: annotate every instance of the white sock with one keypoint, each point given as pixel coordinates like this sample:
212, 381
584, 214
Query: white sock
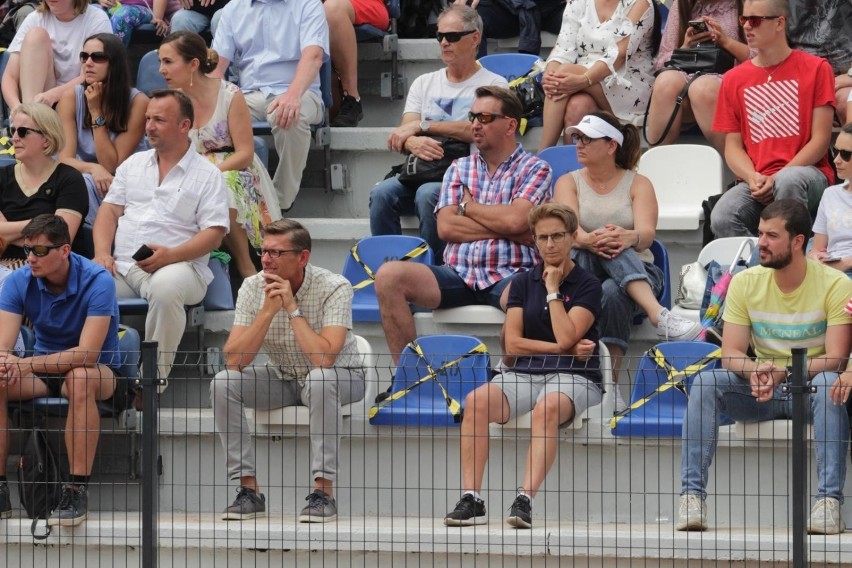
527, 495
474, 493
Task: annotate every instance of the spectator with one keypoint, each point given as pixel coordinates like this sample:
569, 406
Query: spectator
130, 14
805, 299
62, 24
505, 19
174, 202
698, 106
551, 309
342, 16
76, 345
618, 218
482, 214
222, 133
601, 61
15, 12
437, 105
832, 242
5, 271
103, 118
784, 156
278, 66
36, 134
201, 16
301, 316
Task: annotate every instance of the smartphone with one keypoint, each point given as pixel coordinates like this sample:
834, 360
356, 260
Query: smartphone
698, 25
143, 253
831, 259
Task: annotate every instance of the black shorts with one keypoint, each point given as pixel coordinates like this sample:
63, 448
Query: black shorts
54, 381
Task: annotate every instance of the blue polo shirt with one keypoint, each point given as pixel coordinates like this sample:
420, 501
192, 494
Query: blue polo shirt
528, 292
58, 318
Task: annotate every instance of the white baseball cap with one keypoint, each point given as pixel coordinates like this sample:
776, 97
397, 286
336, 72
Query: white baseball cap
595, 127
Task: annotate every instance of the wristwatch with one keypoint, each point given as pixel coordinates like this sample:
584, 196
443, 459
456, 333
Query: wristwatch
297, 313
555, 296
98, 122
424, 126
460, 209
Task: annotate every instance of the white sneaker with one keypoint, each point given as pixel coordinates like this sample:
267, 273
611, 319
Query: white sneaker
676, 328
826, 518
618, 402
692, 514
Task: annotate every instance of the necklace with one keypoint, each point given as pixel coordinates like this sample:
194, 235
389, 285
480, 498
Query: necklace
602, 186
774, 69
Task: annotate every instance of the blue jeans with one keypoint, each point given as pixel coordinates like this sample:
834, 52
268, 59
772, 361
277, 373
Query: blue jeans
390, 199
195, 22
722, 391
615, 321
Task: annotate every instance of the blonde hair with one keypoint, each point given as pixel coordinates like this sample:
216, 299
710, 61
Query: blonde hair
47, 120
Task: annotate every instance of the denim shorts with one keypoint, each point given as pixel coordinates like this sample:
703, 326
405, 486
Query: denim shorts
455, 292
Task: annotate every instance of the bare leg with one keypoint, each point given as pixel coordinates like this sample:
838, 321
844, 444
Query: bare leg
324, 485
844, 109
579, 106
553, 410
344, 48
552, 118
250, 482
667, 86
483, 406
83, 387
26, 388
37, 75
703, 94
641, 293
237, 242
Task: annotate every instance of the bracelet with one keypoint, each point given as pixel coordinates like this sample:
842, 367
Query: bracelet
589, 79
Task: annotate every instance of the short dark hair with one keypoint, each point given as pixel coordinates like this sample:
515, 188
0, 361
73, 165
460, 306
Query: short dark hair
510, 104
51, 226
797, 219
184, 104
299, 235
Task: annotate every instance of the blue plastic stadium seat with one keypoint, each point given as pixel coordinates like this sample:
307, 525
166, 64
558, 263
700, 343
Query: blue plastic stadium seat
661, 261
511, 66
373, 252
425, 404
390, 43
562, 159
662, 416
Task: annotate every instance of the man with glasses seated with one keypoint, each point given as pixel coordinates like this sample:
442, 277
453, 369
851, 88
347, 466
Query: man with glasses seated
482, 214
300, 316
71, 303
437, 106
776, 110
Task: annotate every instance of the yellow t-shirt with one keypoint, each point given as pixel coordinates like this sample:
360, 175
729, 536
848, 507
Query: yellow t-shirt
780, 321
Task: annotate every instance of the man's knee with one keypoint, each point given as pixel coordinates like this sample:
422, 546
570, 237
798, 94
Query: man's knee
80, 385
226, 385
392, 277
426, 198
320, 386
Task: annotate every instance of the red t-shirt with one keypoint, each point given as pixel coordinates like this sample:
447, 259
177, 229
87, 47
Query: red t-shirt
775, 117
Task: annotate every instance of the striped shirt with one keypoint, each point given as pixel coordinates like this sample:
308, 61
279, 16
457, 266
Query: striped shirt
481, 264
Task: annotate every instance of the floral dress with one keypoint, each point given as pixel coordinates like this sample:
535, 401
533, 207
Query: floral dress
251, 191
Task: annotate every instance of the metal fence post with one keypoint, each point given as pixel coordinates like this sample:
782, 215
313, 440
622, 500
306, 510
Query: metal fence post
800, 390
150, 454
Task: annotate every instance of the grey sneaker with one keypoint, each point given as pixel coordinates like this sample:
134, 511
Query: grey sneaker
520, 514
826, 517
321, 508
248, 505
692, 514
5, 501
73, 507
676, 328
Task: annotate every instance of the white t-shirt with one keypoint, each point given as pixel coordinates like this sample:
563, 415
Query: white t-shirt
66, 38
834, 218
436, 99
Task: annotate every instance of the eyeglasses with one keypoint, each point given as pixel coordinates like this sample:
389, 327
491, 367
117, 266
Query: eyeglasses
276, 253
21, 131
484, 117
95, 56
557, 238
40, 250
844, 154
452, 37
755, 21
586, 140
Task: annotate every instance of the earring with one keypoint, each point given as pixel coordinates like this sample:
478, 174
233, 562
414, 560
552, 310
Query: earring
191, 76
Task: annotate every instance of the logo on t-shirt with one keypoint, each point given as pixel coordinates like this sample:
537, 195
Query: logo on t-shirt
773, 110
445, 108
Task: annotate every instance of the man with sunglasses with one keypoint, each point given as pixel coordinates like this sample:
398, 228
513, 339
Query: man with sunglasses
71, 303
437, 105
776, 111
299, 315
482, 213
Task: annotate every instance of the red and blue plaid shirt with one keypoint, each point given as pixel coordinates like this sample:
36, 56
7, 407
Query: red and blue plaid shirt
482, 264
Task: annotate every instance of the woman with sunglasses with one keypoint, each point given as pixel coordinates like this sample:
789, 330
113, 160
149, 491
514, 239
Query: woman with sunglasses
618, 218
38, 183
222, 132
693, 22
832, 242
37, 74
103, 119
602, 61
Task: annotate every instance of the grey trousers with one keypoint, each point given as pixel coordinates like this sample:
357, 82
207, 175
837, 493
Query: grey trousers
324, 392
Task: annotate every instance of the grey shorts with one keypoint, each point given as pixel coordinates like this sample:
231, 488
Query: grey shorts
523, 390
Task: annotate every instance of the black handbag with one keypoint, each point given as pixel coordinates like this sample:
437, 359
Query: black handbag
414, 172
531, 94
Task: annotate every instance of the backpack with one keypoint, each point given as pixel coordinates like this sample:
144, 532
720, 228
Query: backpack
39, 479
414, 18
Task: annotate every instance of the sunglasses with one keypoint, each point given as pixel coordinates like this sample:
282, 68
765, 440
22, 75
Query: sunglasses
452, 37
21, 131
484, 117
40, 250
95, 56
276, 253
844, 154
755, 21
575, 138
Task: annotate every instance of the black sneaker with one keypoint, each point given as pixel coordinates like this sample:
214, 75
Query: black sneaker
350, 113
321, 508
248, 505
469, 511
73, 507
520, 514
5, 501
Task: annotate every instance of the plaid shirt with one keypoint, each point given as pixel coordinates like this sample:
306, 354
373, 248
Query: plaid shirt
482, 264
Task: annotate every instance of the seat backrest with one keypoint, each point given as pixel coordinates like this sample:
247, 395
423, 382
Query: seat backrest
661, 261
148, 76
562, 159
509, 65
325, 83
683, 173
28, 337
722, 250
394, 9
